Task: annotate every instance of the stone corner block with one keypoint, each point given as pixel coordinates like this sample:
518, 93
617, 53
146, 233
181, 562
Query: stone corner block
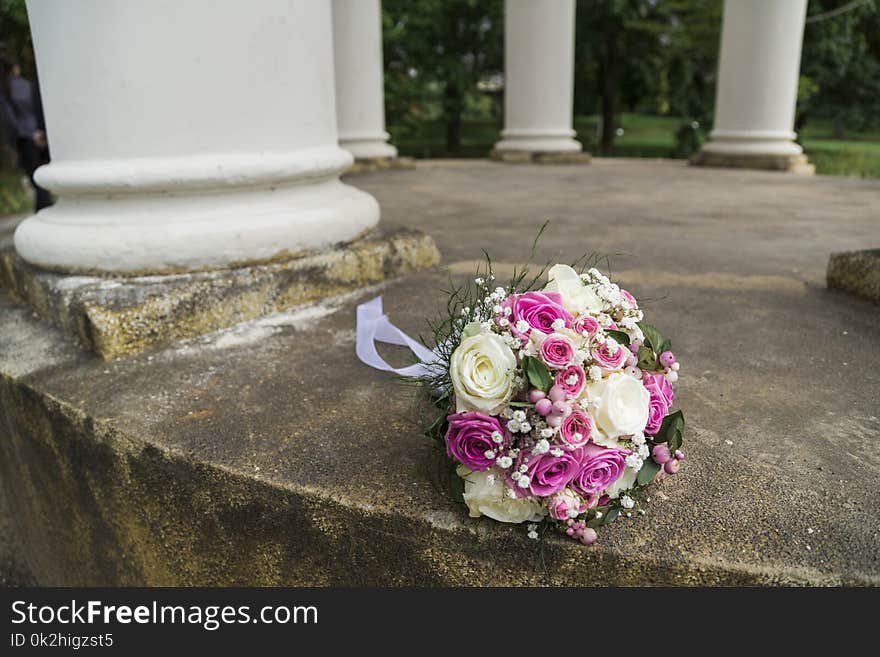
856, 272
362, 165
119, 316
797, 164
540, 157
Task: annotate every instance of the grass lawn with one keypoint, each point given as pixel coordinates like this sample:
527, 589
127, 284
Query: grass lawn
858, 154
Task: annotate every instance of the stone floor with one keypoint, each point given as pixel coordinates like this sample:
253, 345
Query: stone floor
267, 454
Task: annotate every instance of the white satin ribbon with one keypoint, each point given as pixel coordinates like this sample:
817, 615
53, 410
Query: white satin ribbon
374, 326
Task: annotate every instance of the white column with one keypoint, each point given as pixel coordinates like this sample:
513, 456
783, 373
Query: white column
360, 86
538, 76
757, 83
187, 135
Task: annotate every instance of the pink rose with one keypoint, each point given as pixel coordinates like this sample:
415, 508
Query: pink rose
575, 429
565, 504
572, 380
600, 467
661, 400
545, 473
537, 309
585, 325
630, 299
469, 439
657, 410
609, 359
657, 383
557, 351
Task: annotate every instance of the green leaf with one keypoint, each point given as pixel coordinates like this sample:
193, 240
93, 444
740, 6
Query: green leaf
619, 336
537, 373
666, 346
649, 468
598, 521
456, 486
611, 516
647, 359
672, 424
652, 336
674, 440
437, 428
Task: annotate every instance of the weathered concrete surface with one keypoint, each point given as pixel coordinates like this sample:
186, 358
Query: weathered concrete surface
268, 454
786, 163
541, 157
13, 572
857, 272
118, 316
13, 569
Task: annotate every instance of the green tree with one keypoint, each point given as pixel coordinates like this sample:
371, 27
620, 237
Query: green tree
691, 62
15, 35
620, 49
436, 51
841, 62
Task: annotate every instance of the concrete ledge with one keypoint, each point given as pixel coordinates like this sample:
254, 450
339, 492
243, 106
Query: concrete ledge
362, 165
789, 163
856, 272
118, 316
267, 454
281, 460
541, 157
13, 568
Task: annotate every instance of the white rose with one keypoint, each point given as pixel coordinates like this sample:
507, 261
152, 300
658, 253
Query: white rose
577, 298
482, 370
624, 482
623, 405
486, 495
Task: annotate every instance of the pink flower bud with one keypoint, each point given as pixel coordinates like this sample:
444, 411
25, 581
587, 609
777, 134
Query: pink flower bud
554, 420
672, 466
536, 395
561, 408
543, 407
589, 536
679, 455
667, 358
661, 453
557, 393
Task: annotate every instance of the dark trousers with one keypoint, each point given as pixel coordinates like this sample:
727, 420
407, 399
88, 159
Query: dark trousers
30, 157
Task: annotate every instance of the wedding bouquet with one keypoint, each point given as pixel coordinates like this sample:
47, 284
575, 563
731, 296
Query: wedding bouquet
555, 399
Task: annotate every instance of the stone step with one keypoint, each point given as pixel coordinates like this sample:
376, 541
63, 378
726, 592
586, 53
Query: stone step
266, 453
277, 458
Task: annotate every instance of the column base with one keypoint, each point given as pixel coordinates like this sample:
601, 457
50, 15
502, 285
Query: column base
118, 316
797, 164
364, 164
540, 157
172, 215
366, 146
